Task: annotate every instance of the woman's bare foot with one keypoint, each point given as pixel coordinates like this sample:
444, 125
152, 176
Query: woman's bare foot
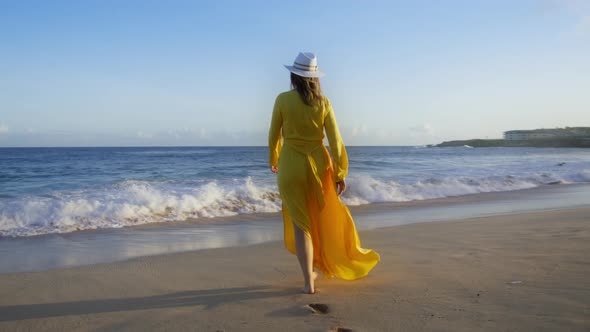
310, 289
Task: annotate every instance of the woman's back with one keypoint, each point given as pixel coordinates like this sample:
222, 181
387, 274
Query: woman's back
299, 120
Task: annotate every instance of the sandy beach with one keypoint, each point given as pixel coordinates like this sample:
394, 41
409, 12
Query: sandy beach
519, 272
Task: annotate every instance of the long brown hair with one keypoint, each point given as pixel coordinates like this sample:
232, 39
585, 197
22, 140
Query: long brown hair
309, 89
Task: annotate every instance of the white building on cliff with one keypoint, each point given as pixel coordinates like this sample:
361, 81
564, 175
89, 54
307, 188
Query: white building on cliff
567, 132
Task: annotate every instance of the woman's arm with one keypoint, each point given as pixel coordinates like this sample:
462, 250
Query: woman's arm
274, 137
337, 148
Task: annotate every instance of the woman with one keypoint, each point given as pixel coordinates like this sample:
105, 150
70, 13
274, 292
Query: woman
318, 228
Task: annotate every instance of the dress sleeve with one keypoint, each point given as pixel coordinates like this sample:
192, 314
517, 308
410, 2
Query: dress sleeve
337, 149
274, 134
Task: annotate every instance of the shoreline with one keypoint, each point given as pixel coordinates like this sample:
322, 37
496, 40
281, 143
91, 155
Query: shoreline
54, 251
523, 272
362, 208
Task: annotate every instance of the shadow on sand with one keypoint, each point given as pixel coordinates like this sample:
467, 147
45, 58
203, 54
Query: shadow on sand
209, 298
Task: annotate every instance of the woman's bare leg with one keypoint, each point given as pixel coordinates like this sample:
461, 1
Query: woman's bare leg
304, 248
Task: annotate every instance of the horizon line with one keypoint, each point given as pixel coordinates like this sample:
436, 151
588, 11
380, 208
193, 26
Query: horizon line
183, 146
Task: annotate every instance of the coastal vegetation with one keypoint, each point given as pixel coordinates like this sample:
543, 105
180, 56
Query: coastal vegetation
539, 143
576, 137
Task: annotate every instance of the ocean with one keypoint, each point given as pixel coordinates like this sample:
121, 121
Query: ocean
62, 190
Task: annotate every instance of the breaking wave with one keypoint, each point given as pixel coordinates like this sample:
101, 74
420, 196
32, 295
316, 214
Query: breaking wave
130, 203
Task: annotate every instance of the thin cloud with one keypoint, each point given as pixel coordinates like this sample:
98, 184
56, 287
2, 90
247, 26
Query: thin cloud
583, 26
425, 129
144, 135
189, 133
579, 9
3, 128
360, 130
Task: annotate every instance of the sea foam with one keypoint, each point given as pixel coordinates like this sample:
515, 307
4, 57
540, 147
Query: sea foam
134, 202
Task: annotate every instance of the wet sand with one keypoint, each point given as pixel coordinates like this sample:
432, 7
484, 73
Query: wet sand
510, 272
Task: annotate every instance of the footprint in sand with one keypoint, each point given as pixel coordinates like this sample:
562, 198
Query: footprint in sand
319, 308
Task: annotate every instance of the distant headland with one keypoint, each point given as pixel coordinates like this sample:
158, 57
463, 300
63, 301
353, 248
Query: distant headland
576, 137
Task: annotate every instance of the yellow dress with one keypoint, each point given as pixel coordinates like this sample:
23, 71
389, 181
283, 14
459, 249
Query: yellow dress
306, 182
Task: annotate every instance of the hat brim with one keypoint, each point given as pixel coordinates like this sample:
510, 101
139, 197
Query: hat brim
304, 73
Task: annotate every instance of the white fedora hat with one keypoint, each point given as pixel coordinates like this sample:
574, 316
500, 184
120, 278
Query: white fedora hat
306, 65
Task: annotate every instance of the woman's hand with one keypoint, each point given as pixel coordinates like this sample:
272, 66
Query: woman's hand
340, 187
274, 169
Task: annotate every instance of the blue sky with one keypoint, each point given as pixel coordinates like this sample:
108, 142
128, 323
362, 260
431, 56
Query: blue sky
104, 73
